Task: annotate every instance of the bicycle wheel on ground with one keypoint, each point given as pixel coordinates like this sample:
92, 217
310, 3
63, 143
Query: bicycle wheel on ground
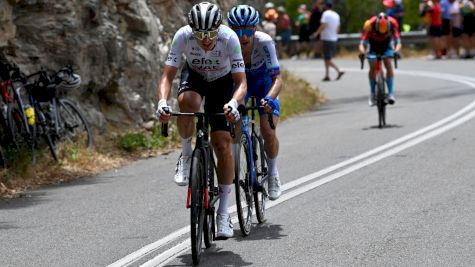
74, 127
210, 219
21, 135
243, 187
44, 133
197, 209
380, 102
260, 166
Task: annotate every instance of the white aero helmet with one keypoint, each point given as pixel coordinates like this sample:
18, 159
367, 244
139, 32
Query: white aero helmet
204, 16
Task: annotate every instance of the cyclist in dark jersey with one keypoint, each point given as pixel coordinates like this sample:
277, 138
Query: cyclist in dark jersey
263, 81
214, 70
380, 33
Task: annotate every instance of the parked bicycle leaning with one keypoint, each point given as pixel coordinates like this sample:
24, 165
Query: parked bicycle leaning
380, 36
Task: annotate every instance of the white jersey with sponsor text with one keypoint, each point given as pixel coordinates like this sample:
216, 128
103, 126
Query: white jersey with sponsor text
226, 55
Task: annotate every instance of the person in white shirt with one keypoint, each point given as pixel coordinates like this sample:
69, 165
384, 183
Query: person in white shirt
328, 31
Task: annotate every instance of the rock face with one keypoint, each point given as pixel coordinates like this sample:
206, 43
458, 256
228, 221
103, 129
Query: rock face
117, 46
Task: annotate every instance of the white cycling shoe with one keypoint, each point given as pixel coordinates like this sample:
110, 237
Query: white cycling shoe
225, 226
182, 171
274, 187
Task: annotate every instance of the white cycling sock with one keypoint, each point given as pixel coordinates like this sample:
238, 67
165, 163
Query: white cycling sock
272, 166
186, 149
224, 191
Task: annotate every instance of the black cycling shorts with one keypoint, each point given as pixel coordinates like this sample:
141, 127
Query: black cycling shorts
216, 94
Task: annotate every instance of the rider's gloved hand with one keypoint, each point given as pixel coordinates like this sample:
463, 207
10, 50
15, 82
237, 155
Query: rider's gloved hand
268, 101
163, 111
231, 111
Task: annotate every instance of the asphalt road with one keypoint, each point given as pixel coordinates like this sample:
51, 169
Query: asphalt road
354, 195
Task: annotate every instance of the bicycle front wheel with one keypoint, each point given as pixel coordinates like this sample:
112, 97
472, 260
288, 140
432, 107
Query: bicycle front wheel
197, 207
243, 186
260, 166
381, 102
74, 127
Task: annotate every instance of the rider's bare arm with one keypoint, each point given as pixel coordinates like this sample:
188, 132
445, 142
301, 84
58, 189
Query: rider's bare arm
165, 84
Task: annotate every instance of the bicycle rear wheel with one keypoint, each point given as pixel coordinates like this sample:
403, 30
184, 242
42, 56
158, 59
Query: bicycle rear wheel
260, 167
197, 208
243, 187
74, 127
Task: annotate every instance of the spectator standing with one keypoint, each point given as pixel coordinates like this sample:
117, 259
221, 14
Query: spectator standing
284, 30
269, 23
395, 9
302, 24
446, 26
328, 30
455, 29
435, 27
314, 24
468, 13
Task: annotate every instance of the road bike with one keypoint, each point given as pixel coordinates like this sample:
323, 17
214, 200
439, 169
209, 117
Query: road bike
203, 192
381, 94
251, 169
65, 121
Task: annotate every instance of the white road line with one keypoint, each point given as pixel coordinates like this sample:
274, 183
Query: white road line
423, 134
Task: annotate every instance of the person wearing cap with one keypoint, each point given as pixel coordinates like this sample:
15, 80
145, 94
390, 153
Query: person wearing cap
269, 23
284, 30
314, 24
328, 30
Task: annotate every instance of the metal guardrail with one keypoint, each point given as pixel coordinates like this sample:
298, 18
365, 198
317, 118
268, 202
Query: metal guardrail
353, 39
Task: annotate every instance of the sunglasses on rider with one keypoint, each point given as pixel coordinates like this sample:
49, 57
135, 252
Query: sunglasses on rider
247, 32
200, 35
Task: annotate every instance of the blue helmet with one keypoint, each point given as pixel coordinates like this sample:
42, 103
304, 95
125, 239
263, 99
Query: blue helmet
243, 16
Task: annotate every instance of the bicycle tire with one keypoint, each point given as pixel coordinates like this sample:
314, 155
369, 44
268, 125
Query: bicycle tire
260, 166
380, 102
43, 131
209, 230
73, 124
197, 209
242, 186
20, 136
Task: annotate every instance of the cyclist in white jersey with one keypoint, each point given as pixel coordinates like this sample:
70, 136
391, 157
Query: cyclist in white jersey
214, 70
263, 81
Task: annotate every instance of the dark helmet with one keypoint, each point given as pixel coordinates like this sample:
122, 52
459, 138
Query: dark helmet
204, 16
243, 16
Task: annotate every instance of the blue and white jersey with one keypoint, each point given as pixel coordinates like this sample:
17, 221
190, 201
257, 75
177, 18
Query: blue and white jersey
226, 55
264, 65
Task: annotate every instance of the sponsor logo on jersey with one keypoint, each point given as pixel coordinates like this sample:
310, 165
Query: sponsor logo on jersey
171, 59
216, 53
268, 57
237, 65
205, 61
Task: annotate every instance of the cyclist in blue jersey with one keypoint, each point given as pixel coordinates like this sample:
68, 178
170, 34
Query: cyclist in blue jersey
263, 81
214, 70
